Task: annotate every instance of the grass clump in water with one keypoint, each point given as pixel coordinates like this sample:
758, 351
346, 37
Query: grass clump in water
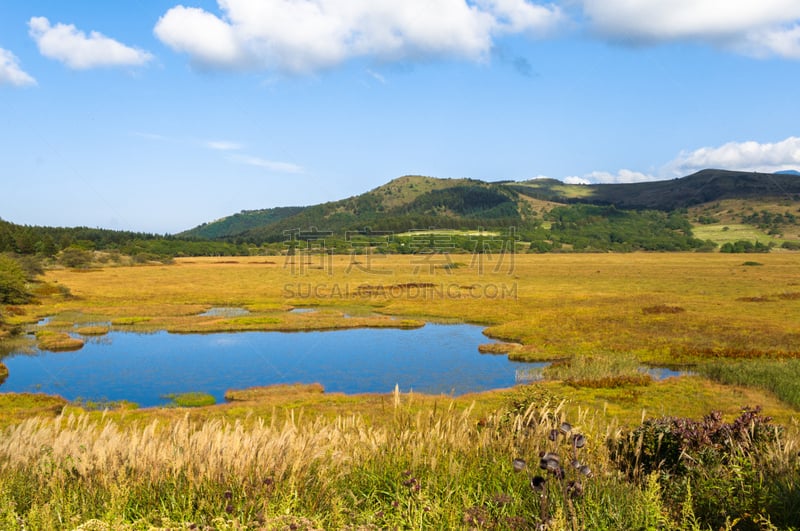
598, 369
95, 330
191, 399
57, 341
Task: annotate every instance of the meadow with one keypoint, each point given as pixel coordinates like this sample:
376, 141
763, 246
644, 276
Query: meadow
299, 458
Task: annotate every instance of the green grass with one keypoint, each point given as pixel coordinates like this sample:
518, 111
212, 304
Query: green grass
729, 233
191, 399
431, 469
299, 456
598, 369
780, 377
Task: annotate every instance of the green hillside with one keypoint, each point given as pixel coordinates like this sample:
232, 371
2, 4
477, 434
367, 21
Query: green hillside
702, 187
547, 212
239, 223
410, 202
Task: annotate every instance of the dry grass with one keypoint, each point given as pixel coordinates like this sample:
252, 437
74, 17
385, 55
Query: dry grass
57, 341
295, 450
555, 306
96, 330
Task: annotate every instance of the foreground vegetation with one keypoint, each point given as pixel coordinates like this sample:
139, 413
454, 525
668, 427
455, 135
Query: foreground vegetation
533, 463
299, 458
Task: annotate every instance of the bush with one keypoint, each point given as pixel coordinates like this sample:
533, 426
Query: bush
715, 470
676, 445
75, 257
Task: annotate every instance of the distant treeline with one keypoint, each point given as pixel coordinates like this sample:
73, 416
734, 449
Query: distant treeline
581, 228
49, 241
569, 228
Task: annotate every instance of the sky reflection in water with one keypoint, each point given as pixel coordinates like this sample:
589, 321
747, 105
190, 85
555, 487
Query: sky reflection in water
143, 368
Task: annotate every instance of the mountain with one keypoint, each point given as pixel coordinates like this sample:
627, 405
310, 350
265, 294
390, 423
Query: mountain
701, 187
402, 204
787, 172
239, 223
417, 202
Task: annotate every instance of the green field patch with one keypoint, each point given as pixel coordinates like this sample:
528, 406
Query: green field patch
191, 399
733, 232
15, 407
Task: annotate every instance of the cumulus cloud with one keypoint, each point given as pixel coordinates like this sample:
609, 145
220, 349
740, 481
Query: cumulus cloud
302, 36
737, 156
763, 27
743, 156
577, 180
67, 44
11, 73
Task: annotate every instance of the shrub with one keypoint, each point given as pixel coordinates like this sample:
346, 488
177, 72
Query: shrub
717, 471
75, 257
676, 445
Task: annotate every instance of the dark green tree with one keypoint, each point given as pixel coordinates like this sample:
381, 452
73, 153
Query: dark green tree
12, 282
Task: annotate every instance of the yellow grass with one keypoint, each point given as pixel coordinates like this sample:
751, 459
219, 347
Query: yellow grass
554, 306
96, 330
57, 341
665, 308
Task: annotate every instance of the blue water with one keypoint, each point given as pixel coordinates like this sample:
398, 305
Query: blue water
143, 368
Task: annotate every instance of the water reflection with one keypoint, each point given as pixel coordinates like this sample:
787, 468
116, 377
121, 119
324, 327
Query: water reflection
142, 368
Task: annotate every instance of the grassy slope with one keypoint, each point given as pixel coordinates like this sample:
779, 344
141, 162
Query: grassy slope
239, 223
419, 202
400, 197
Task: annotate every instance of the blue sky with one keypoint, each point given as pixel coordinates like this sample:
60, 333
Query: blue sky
160, 116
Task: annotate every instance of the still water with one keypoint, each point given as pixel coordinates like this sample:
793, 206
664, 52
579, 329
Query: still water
144, 368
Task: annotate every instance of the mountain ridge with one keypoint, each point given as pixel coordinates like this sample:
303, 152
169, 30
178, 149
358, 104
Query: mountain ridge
420, 202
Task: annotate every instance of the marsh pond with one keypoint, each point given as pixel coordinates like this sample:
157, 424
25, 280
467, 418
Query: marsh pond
145, 368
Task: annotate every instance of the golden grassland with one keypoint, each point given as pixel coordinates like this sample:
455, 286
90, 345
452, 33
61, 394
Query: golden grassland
296, 457
667, 309
554, 305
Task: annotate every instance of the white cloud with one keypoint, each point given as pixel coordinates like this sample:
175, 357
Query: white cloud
755, 27
737, 156
743, 156
521, 16
621, 177
271, 165
577, 180
207, 39
10, 71
302, 36
65, 43
223, 145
